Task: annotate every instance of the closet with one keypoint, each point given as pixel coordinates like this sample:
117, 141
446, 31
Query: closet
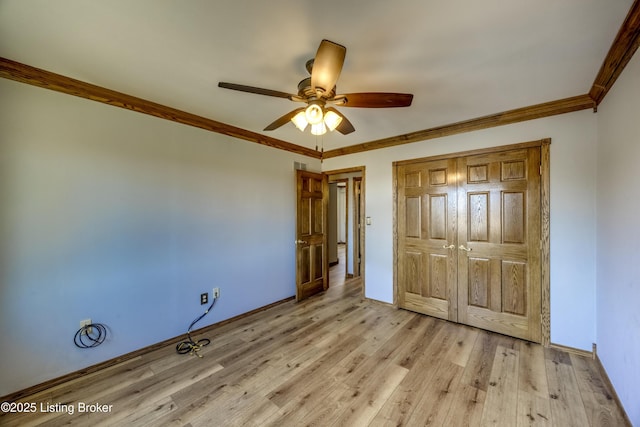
469, 238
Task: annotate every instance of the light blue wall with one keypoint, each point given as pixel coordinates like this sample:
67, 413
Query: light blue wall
618, 283
125, 219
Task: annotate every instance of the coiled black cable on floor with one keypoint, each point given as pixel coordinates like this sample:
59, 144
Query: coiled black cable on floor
190, 346
91, 335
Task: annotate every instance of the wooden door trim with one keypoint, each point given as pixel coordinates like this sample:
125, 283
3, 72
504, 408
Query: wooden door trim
498, 149
394, 237
359, 238
545, 239
545, 232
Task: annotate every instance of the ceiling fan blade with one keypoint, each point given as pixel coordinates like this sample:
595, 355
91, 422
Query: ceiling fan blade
257, 90
374, 100
283, 120
327, 66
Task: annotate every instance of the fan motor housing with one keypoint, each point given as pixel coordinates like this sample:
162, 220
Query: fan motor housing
306, 91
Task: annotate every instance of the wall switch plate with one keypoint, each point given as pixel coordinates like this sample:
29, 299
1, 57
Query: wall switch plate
216, 292
84, 323
204, 298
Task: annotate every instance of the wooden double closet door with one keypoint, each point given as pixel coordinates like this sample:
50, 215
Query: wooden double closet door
469, 239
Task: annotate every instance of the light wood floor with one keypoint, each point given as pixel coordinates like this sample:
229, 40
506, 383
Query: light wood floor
337, 359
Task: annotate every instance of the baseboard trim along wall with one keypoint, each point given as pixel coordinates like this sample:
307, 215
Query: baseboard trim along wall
129, 356
576, 351
603, 373
609, 385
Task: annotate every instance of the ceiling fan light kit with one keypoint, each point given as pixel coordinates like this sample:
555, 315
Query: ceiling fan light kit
300, 120
320, 89
314, 113
332, 120
319, 119
318, 129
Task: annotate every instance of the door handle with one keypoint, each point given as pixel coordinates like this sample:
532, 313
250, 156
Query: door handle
302, 242
462, 247
448, 247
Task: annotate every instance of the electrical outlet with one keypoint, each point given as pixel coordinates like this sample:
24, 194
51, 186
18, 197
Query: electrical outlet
84, 323
204, 298
216, 292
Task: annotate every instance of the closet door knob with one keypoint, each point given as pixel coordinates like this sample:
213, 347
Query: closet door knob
462, 247
448, 247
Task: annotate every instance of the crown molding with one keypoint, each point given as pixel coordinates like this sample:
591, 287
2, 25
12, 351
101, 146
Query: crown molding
16, 71
624, 46
566, 105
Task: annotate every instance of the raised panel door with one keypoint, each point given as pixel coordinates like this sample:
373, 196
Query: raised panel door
499, 242
311, 256
427, 261
469, 240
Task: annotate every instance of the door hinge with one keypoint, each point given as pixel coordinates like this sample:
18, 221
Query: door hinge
540, 169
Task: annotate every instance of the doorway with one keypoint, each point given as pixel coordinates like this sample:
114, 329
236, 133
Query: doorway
346, 217
338, 227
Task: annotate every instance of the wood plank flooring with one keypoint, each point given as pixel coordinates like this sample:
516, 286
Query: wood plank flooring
337, 359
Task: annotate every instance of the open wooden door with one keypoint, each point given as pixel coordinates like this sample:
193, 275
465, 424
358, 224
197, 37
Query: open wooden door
312, 264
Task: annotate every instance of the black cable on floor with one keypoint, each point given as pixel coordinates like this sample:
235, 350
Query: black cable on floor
190, 346
91, 335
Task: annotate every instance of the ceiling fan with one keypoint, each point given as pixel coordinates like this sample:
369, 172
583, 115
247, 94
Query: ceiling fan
319, 90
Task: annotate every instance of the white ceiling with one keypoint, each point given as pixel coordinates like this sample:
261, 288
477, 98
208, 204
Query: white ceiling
460, 58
